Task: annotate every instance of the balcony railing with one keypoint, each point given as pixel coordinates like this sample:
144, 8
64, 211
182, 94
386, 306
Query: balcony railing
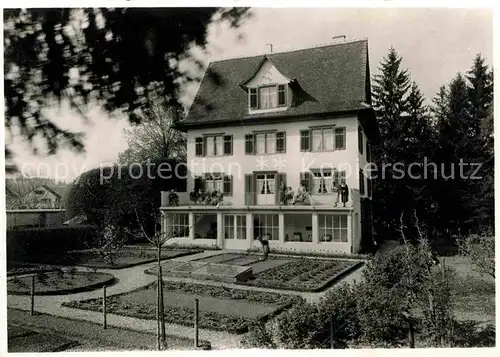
183, 199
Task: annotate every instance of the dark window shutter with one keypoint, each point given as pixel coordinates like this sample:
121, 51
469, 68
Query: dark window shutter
339, 138
228, 144
360, 140
199, 146
254, 101
306, 180
249, 147
228, 185
281, 142
249, 190
305, 140
369, 187
368, 152
281, 95
361, 182
198, 183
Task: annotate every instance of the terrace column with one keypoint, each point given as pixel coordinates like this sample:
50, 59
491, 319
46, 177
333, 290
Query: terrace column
315, 228
192, 225
250, 237
220, 230
281, 227
349, 231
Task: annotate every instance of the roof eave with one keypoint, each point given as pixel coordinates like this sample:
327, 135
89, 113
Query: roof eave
256, 119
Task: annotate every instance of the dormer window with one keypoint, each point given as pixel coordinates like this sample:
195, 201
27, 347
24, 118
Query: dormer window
268, 97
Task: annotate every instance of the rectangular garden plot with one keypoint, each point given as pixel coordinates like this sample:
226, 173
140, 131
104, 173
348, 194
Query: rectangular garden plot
302, 274
220, 258
221, 308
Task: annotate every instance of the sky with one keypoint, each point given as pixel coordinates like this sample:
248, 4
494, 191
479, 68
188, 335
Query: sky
434, 43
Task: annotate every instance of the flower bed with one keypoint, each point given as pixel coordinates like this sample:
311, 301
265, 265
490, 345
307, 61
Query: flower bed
58, 282
124, 258
230, 293
303, 274
142, 306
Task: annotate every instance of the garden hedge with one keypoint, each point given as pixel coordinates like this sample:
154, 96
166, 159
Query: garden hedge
27, 244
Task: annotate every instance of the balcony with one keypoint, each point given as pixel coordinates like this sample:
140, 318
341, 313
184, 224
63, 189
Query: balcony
312, 203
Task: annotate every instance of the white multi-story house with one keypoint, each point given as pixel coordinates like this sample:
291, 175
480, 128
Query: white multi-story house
297, 117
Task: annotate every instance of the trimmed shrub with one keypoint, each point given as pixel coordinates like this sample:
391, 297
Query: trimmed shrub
27, 244
307, 326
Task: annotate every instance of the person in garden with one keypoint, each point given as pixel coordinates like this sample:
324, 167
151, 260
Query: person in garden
344, 192
265, 247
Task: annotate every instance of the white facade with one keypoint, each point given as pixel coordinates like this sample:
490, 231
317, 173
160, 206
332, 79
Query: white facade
255, 158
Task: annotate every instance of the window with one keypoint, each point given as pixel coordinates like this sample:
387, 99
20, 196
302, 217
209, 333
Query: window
360, 140
322, 182
268, 97
228, 186
361, 182
265, 143
322, 139
249, 144
266, 184
180, 225
339, 138
369, 187
235, 226
199, 146
39, 192
228, 144
214, 145
368, 152
266, 226
338, 177
229, 227
213, 182
332, 228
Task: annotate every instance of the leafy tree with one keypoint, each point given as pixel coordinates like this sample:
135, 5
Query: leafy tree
155, 138
111, 57
103, 195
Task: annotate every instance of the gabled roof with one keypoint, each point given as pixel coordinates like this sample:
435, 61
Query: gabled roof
58, 190
331, 79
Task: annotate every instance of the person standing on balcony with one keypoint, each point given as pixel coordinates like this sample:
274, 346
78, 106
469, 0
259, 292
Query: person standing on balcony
344, 193
336, 194
282, 193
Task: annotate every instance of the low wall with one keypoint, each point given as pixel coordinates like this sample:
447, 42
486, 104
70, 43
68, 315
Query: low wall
35, 217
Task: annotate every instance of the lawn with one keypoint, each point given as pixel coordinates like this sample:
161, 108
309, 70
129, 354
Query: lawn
21, 339
301, 274
474, 293
124, 258
221, 308
58, 282
91, 336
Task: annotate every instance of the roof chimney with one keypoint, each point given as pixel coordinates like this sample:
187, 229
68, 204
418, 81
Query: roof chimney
270, 47
337, 37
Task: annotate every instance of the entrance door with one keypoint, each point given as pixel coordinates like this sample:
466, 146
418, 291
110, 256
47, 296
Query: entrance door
266, 189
